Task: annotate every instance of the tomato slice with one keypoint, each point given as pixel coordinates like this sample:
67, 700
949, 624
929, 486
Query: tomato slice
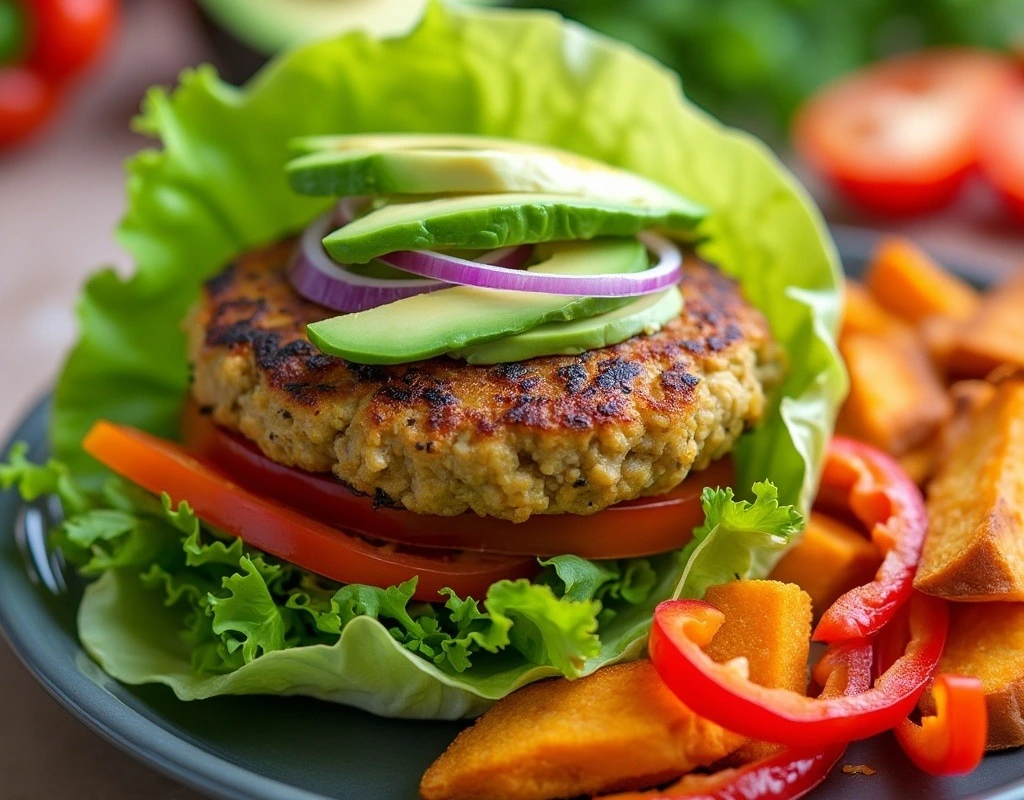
161, 466
1002, 149
901, 137
636, 528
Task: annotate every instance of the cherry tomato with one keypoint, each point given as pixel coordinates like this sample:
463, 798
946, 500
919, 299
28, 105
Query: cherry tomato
68, 35
160, 466
900, 137
26, 101
637, 528
1002, 150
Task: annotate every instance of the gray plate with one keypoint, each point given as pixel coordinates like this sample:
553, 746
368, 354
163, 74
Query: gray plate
270, 748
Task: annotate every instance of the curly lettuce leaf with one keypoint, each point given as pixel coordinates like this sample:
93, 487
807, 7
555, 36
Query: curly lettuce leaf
736, 536
217, 187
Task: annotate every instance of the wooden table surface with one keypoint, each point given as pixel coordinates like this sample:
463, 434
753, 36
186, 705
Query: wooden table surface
59, 200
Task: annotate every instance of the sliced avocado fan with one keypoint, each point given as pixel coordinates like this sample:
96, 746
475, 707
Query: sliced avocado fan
429, 325
499, 220
646, 315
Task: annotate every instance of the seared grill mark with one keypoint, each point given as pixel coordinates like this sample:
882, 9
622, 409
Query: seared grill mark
251, 306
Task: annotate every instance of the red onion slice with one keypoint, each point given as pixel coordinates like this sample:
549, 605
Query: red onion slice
450, 269
317, 278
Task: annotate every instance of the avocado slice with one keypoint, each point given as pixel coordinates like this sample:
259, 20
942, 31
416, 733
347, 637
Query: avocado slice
431, 324
379, 142
498, 220
436, 171
646, 315
439, 171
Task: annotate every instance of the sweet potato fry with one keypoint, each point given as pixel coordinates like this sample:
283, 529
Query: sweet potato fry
986, 640
863, 314
829, 560
896, 401
975, 544
995, 336
769, 623
906, 281
620, 728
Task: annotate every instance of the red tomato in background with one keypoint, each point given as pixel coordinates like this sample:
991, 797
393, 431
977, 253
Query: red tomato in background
1002, 149
900, 137
69, 34
26, 102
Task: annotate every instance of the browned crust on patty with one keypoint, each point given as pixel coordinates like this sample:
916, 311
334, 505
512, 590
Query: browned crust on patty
439, 436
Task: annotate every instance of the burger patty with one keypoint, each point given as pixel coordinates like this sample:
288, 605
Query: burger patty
560, 434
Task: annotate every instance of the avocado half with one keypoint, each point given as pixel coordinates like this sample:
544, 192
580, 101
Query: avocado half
245, 33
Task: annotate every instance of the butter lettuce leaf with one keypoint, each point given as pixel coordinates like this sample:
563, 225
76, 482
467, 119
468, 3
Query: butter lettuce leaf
217, 186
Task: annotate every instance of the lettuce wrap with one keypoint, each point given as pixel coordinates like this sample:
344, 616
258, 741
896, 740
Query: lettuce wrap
176, 603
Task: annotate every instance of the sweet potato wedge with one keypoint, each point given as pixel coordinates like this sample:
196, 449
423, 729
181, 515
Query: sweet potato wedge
769, 623
975, 544
995, 336
986, 640
896, 401
620, 728
829, 560
863, 314
907, 282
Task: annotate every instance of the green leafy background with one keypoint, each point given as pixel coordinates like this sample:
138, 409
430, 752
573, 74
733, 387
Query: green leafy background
218, 187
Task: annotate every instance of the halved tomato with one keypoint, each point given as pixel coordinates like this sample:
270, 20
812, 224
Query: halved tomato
636, 528
1002, 149
901, 136
161, 466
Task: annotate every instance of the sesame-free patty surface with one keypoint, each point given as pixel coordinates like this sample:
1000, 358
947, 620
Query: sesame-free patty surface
561, 434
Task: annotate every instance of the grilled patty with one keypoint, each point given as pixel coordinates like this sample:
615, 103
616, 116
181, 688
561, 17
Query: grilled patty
562, 434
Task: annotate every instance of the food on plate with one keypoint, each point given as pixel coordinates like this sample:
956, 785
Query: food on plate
994, 337
851, 558
621, 728
862, 313
768, 624
976, 508
901, 136
896, 400
910, 284
582, 435
412, 404
987, 640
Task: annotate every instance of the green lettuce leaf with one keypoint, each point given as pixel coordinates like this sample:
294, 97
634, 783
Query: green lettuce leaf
735, 538
217, 187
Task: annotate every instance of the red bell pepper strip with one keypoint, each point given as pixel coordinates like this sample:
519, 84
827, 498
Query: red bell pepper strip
862, 479
785, 776
681, 628
952, 741
45, 43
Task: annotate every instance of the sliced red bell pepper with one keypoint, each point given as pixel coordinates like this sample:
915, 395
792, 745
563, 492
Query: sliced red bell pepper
952, 741
862, 479
681, 628
785, 776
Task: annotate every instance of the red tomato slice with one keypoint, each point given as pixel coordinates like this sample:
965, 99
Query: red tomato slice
636, 528
1002, 149
900, 137
160, 466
